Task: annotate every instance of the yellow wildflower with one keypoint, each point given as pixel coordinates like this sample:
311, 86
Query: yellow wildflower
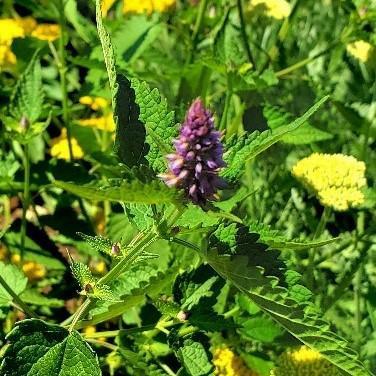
7, 57
147, 6
28, 24
99, 267
304, 361
15, 258
90, 330
360, 49
10, 29
48, 32
60, 147
336, 179
105, 123
227, 363
33, 270
106, 5
277, 9
95, 103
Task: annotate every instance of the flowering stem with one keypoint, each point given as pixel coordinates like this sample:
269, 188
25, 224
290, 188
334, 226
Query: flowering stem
244, 34
311, 258
26, 197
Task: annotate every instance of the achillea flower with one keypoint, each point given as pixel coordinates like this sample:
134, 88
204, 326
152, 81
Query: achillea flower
304, 361
105, 122
336, 179
7, 57
147, 6
33, 270
360, 49
10, 29
60, 147
227, 363
47, 32
28, 24
277, 9
195, 165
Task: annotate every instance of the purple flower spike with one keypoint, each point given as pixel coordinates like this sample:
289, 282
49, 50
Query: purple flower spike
198, 157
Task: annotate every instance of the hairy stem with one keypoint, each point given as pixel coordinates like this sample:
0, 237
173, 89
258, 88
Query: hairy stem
25, 198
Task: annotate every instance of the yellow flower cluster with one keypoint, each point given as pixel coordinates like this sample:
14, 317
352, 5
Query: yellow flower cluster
104, 122
304, 362
360, 49
227, 363
33, 270
336, 179
277, 9
140, 6
12, 28
60, 147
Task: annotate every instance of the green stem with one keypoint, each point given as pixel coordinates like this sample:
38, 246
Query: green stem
18, 301
192, 48
26, 197
311, 257
63, 77
304, 62
226, 108
244, 34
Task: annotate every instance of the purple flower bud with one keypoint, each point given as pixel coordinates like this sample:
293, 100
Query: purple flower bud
198, 155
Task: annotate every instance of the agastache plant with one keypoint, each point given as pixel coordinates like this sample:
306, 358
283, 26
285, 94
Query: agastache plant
198, 156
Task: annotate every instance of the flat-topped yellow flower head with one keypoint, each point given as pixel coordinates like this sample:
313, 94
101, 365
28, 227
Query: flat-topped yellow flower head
7, 57
60, 147
48, 32
147, 6
277, 9
227, 363
336, 179
303, 361
105, 122
9, 30
95, 103
28, 24
360, 49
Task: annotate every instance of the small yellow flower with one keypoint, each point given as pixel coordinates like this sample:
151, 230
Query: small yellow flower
9, 30
360, 49
90, 330
28, 24
95, 103
106, 5
33, 270
60, 147
48, 32
15, 259
147, 6
277, 9
304, 361
99, 267
7, 57
227, 363
336, 179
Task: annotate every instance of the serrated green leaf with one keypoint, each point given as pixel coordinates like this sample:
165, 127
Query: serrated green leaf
255, 274
248, 146
134, 192
14, 278
305, 134
27, 96
195, 359
82, 274
194, 295
159, 123
99, 243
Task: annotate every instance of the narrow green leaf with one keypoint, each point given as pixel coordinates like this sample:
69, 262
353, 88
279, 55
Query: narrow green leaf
133, 192
248, 146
